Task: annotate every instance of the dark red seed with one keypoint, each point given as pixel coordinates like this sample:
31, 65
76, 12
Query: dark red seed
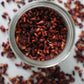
15, 10
18, 64
18, 6
5, 13
73, 72
80, 25
80, 73
77, 67
9, 19
8, 1
2, 53
4, 16
3, 4
2, 28
82, 79
4, 44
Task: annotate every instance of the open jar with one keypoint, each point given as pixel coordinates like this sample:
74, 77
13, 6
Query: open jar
69, 41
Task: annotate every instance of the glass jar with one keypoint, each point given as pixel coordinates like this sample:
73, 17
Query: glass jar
70, 35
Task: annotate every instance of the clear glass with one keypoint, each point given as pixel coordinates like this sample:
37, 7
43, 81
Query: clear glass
70, 36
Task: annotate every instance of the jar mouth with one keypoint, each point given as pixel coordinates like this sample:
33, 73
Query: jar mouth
70, 34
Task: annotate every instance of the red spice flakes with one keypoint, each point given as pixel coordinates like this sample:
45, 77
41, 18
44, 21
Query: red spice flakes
3, 69
3, 4
18, 64
15, 10
44, 37
7, 49
52, 75
2, 28
18, 80
80, 48
76, 12
24, 66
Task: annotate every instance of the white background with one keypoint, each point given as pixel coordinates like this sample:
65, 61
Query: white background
67, 66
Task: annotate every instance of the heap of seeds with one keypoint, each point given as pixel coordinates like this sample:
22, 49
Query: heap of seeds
3, 69
41, 34
52, 75
80, 48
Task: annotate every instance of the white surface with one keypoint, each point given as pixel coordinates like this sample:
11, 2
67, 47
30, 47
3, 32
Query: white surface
67, 66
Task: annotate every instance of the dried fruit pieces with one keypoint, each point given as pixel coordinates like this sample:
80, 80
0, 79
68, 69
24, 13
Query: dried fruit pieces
41, 34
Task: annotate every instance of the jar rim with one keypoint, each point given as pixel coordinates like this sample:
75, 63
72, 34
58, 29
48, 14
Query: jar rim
70, 37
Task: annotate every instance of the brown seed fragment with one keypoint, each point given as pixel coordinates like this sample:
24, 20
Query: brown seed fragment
77, 67
18, 1
80, 73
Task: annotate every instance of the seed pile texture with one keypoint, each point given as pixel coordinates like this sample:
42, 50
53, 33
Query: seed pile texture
41, 34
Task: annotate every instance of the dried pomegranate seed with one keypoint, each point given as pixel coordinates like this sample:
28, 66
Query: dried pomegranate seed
18, 64
5, 13
80, 73
18, 6
15, 10
8, 1
73, 72
77, 68
4, 16
3, 4
8, 50
2, 28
